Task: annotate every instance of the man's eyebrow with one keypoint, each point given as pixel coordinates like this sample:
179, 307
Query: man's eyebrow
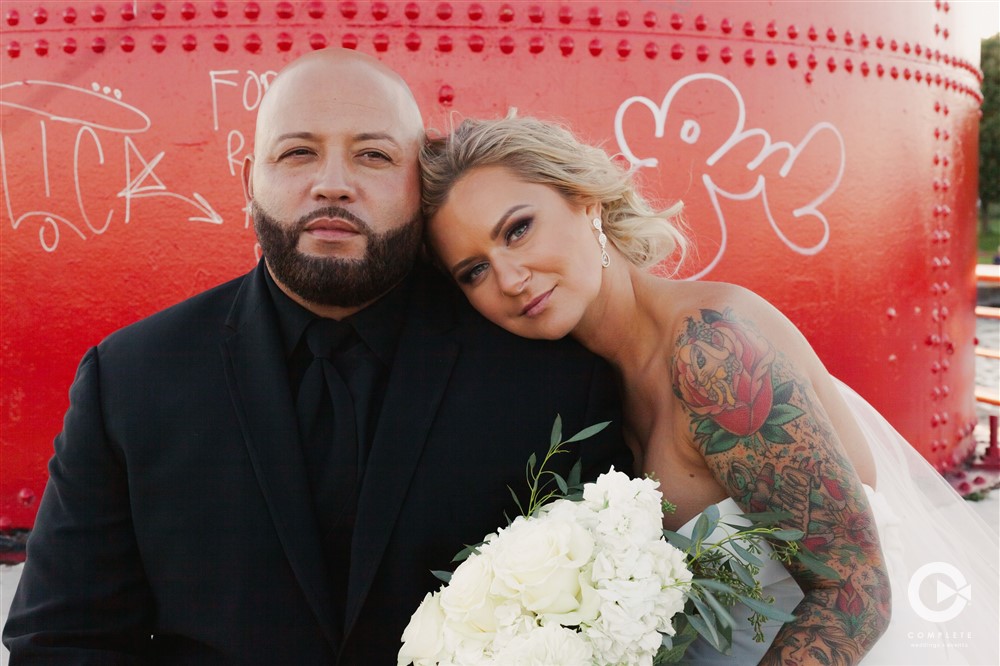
295, 135
364, 136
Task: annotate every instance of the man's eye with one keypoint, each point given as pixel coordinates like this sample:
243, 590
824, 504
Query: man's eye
295, 152
376, 155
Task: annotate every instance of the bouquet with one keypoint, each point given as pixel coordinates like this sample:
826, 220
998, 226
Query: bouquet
587, 575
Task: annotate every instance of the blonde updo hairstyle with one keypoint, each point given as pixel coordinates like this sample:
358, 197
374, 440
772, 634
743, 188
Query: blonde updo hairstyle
545, 153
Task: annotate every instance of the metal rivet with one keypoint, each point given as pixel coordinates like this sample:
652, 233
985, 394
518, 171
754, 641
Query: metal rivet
284, 41
893, 46
284, 10
812, 61
749, 29
917, 49
41, 16
906, 48
188, 11
412, 11
726, 26
444, 11
536, 14
476, 43
220, 43
253, 42
158, 11
536, 44
595, 47
700, 22
594, 16
907, 74
772, 29
446, 95
69, 46
13, 49
412, 41
649, 19
891, 313
348, 9
652, 50
624, 48
945, 390
879, 69
219, 10
848, 38
315, 9
476, 11
26, 496
445, 44
726, 54
945, 33
379, 10
770, 58
702, 52
317, 41
97, 14
251, 10
919, 76
749, 57
380, 41
892, 358
348, 41
864, 41
42, 47
831, 35
812, 34
189, 42
506, 14
865, 69
879, 42
793, 32
894, 73
623, 18
793, 60
127, 12
12, 17
566, 45
507, 44
933, 340
159, 43
848, 65
565, 14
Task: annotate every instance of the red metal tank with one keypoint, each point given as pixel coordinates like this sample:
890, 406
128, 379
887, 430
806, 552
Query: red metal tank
826, 153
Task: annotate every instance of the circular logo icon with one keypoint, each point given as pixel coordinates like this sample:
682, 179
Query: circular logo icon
950, 584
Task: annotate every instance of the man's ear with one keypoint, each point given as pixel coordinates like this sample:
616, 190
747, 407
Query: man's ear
248, 178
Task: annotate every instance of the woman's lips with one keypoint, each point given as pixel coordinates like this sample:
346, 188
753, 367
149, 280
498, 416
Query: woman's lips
537, 305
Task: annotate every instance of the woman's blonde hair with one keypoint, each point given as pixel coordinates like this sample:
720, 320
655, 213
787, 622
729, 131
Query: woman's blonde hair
545, 153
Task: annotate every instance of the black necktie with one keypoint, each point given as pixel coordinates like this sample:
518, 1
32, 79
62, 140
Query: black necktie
330, 443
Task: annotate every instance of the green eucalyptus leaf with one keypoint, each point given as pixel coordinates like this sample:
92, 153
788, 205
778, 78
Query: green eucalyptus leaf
556, 437
741, 572
464, 554
720, 611
787, 535
574, 473
589, 431
444, 576
712, 584
767, 610
678, 541
708, 632
561, 482
749, 557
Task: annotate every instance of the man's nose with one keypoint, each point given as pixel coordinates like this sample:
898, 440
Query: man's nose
334, 181
512, 276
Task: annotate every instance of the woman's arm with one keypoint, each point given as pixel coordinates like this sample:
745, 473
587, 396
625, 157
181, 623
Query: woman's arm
756, 418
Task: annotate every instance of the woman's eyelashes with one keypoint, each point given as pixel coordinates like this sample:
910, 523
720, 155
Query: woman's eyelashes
518, 229
473, 273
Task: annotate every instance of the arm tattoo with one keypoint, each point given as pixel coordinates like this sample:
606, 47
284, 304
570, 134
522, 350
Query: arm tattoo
766, 438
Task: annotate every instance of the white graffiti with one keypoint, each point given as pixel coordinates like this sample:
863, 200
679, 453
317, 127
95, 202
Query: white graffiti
690, 133
96, 113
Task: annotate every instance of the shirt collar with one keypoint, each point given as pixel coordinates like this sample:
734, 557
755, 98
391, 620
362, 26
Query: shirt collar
378, 325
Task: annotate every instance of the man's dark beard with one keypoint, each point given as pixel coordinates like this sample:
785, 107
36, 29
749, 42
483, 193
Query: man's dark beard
337, 282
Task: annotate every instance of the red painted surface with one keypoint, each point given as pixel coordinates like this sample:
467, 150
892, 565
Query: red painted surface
124, 124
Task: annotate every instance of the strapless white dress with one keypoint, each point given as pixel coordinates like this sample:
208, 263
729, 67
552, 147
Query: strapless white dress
942, 559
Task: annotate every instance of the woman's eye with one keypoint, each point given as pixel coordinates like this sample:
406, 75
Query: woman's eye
518, 229
471, 275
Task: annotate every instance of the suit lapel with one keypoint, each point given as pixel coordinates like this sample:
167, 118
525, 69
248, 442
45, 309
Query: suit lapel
258, 384
422, 365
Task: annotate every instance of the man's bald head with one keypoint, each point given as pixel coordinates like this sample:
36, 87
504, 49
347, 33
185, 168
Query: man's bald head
342, 75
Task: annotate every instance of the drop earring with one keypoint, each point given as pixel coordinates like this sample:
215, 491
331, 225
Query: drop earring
602, 240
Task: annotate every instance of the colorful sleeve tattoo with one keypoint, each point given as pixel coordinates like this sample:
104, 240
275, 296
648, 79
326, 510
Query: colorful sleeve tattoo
757, 421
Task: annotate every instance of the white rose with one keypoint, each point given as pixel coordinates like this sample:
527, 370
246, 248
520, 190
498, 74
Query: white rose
540, 560
550, 645
423, 638
466, 598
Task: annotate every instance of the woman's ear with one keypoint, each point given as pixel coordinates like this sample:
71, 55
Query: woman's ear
593, 210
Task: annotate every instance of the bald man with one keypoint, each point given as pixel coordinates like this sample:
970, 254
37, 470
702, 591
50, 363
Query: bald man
225, 493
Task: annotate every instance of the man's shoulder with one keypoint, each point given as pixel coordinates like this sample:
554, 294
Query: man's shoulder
203, 313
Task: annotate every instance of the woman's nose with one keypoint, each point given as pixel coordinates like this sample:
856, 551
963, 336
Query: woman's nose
512, 276
334, 181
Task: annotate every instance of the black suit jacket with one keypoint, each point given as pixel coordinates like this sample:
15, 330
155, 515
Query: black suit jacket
177, 525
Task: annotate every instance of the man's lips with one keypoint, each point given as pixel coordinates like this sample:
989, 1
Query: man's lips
536, 305
331, 229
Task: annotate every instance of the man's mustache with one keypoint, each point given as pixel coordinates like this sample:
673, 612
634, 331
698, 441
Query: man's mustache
333, 211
